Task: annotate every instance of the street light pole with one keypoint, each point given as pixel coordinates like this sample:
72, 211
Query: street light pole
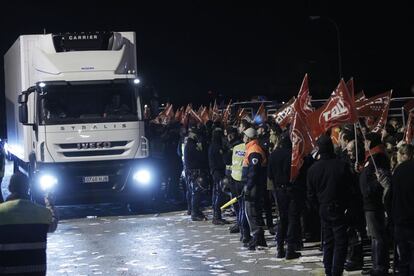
338, 40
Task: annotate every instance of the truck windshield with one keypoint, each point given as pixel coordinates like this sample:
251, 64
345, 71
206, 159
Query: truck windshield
87, 102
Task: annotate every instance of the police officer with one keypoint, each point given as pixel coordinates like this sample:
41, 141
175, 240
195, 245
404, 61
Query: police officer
328, 182
217, 170
235, 170
254, 172
196, 164
264, 141
23, 230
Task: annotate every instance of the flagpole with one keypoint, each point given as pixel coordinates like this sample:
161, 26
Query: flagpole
356, 148
369, 151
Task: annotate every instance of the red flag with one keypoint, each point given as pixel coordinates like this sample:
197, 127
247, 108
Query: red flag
409, 131
338, 110
226, 114
302, 144
169, 114
161, 118
215, 113
261, 115
205, 117
303, 104
409, 106
185, 116
194, 115
373, 106
284, 115
382, 120
302, 141
178, 114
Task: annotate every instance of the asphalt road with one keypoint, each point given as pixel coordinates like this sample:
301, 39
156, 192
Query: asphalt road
108, 240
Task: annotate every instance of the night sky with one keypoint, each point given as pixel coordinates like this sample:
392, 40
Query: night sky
186, 49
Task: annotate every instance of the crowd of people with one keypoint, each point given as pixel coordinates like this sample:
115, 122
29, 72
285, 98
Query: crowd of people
348, 194
354, 192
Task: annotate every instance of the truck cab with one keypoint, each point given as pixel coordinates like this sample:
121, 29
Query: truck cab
74, 117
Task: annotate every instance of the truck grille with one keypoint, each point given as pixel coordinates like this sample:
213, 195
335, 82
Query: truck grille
93, 149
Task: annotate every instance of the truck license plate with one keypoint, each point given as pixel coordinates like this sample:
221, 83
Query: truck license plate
95, 179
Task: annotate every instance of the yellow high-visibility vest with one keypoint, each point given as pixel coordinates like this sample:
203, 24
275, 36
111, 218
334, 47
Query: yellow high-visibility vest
237, 161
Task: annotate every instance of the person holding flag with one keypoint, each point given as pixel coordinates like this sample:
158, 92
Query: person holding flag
374, 182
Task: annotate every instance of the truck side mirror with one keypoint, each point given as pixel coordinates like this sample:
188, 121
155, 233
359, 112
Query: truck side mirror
23, 113
22, 98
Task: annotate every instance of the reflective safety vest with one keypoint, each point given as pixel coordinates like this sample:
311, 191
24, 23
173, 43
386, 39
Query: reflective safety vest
23, 233
237, 161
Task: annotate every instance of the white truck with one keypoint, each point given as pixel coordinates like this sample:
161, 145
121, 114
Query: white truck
74, 116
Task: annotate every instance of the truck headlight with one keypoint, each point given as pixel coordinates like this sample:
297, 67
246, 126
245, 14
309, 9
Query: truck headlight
142, 176
47, 182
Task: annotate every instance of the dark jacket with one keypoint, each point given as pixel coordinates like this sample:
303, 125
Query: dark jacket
195, 155
327, 180
371, 189
403, 195
254, 166
264, 142
23, 236
279, 167
215, 159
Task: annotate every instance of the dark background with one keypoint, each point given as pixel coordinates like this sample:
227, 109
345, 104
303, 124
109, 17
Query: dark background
201, 50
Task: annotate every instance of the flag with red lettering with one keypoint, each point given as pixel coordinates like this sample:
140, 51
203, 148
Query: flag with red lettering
284, 115
382, 119
409, 131
303, 104
302, 144
302, 141
373, 106
375, 110
338, 110
261, 115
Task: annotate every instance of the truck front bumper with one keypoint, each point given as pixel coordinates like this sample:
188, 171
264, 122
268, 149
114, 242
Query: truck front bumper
96, 182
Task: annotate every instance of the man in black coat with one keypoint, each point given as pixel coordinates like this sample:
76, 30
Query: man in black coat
217, 170
328, 182
196, 164
373, 183
289, 198
403, 213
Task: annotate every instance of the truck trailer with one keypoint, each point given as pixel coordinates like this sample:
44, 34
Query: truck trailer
74, 117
